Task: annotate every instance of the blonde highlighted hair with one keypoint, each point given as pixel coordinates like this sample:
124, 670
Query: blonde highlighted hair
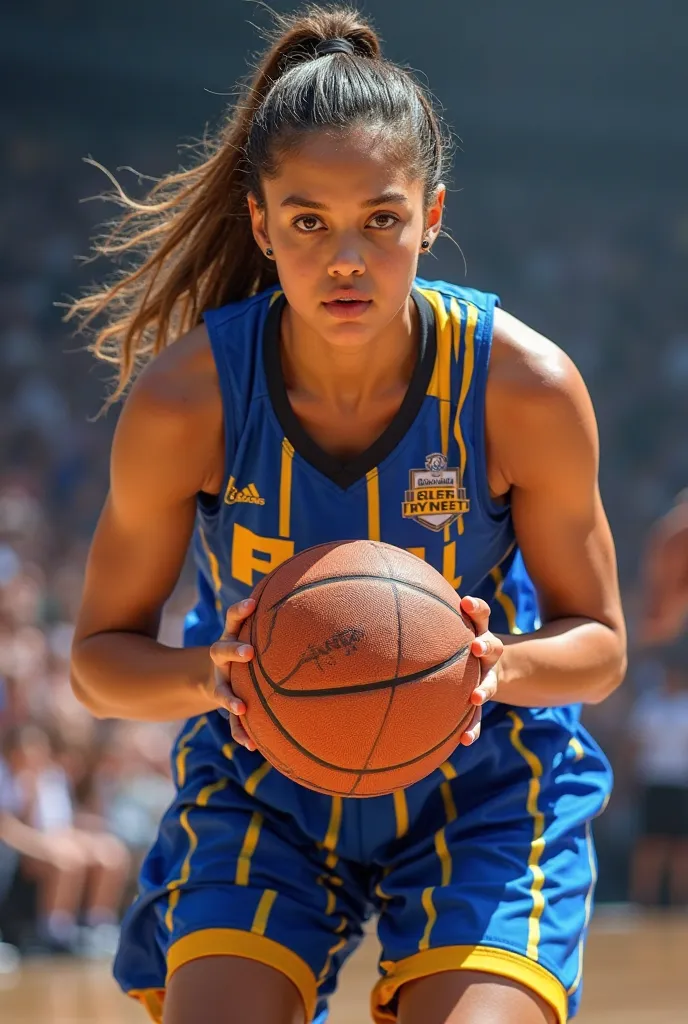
190, 239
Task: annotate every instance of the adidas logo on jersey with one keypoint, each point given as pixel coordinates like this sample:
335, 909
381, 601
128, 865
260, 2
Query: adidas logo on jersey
247, 495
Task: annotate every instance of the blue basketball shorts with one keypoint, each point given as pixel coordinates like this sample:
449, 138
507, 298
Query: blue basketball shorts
487, 864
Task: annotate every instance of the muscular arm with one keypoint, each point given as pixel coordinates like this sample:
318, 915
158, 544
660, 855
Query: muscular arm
166, 449
542, 442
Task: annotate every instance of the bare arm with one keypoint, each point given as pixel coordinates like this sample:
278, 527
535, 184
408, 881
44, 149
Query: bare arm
167, 448
665, 578
542, 439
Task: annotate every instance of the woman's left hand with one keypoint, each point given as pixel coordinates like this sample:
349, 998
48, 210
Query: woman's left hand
489, 648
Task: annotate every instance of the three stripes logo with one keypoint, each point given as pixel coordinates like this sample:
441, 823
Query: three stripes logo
246, 496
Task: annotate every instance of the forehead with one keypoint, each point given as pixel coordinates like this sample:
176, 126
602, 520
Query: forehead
335, 167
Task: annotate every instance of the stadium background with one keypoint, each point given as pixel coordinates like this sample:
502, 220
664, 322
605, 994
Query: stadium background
568, 199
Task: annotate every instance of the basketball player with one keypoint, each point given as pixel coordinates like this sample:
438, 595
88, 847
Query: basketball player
290, 415
665, 577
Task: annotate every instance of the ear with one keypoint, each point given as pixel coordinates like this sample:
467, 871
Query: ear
258, 214
433, 217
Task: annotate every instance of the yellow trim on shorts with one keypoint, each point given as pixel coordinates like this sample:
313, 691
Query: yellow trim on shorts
487, 959
249, 946
151, 999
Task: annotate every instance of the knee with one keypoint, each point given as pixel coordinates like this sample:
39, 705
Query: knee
110, 854
66, 856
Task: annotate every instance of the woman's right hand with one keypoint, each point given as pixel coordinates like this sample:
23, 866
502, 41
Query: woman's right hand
223, 652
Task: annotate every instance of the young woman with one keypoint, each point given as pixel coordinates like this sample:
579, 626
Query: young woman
313, 372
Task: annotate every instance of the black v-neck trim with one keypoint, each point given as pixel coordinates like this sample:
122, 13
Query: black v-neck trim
344, 474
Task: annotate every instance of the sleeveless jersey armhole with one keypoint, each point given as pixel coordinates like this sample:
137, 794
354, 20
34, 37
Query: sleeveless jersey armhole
483, 346
212, 503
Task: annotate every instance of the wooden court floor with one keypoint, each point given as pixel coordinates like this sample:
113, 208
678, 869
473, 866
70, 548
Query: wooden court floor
636, 972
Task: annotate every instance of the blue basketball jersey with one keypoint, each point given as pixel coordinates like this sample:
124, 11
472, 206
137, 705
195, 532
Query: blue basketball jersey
485, 864
422, 485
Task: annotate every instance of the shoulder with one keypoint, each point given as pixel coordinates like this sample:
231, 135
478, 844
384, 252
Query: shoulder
534, 386
173, 415
530, 375
178, 381
526, 366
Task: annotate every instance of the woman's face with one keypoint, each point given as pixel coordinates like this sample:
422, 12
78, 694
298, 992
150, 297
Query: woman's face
345, 223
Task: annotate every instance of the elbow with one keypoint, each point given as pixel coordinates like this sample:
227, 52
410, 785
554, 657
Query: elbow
614, 675
81, 691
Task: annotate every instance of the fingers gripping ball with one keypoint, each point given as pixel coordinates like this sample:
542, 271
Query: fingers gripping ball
362, 674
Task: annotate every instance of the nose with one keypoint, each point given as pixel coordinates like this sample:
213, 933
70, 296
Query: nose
346, 261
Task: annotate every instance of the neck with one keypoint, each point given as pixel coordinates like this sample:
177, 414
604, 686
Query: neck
351, 376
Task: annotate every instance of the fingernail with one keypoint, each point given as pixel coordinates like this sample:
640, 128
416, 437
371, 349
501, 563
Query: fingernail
236, 707
244, 650
482, 694
245, 605
482, 647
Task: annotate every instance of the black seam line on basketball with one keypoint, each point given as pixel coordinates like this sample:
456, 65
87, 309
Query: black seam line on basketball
271, 627
396, 675
363, 576
374, 743
380, 684
335, 767
339, 579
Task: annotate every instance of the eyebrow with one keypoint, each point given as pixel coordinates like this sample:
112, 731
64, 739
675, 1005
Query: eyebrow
311, 204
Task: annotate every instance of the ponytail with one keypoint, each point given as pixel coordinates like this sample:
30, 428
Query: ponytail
191, 238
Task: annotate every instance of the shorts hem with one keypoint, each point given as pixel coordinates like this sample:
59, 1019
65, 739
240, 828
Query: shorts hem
249, 946
151, 999
488, 959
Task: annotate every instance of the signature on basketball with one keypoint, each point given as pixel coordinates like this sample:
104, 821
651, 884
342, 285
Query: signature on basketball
323, 654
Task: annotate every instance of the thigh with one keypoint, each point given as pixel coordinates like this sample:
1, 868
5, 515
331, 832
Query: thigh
503, 886
470, 997
232, 990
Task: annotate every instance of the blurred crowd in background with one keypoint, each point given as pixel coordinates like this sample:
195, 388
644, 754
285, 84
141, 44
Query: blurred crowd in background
600, 274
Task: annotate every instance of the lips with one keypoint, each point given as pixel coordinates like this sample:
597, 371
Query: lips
347, 306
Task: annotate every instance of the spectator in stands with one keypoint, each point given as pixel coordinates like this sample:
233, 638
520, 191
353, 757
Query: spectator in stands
659, 732
76, 870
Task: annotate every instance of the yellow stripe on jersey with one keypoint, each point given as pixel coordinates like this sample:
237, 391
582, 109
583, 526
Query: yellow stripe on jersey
537, 845
467, 376
214, 570
331, 839
174, 888
248, 848
285, 489
440, 382
507, 604
184, 747
431, 913
401, 812
339, 944
275, 296
256, 777
373, 488
260, 920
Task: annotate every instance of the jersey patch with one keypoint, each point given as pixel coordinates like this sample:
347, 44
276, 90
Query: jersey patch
435, 498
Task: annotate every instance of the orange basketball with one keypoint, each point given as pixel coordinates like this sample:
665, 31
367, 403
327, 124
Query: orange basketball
362, 673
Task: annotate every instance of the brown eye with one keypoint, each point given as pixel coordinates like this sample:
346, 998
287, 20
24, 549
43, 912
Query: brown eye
383, 220
307, 223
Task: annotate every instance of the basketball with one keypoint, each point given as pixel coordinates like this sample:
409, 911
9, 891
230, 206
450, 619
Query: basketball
362, 675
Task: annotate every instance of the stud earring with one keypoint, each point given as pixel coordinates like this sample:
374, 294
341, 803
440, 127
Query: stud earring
268, 253
425, 244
